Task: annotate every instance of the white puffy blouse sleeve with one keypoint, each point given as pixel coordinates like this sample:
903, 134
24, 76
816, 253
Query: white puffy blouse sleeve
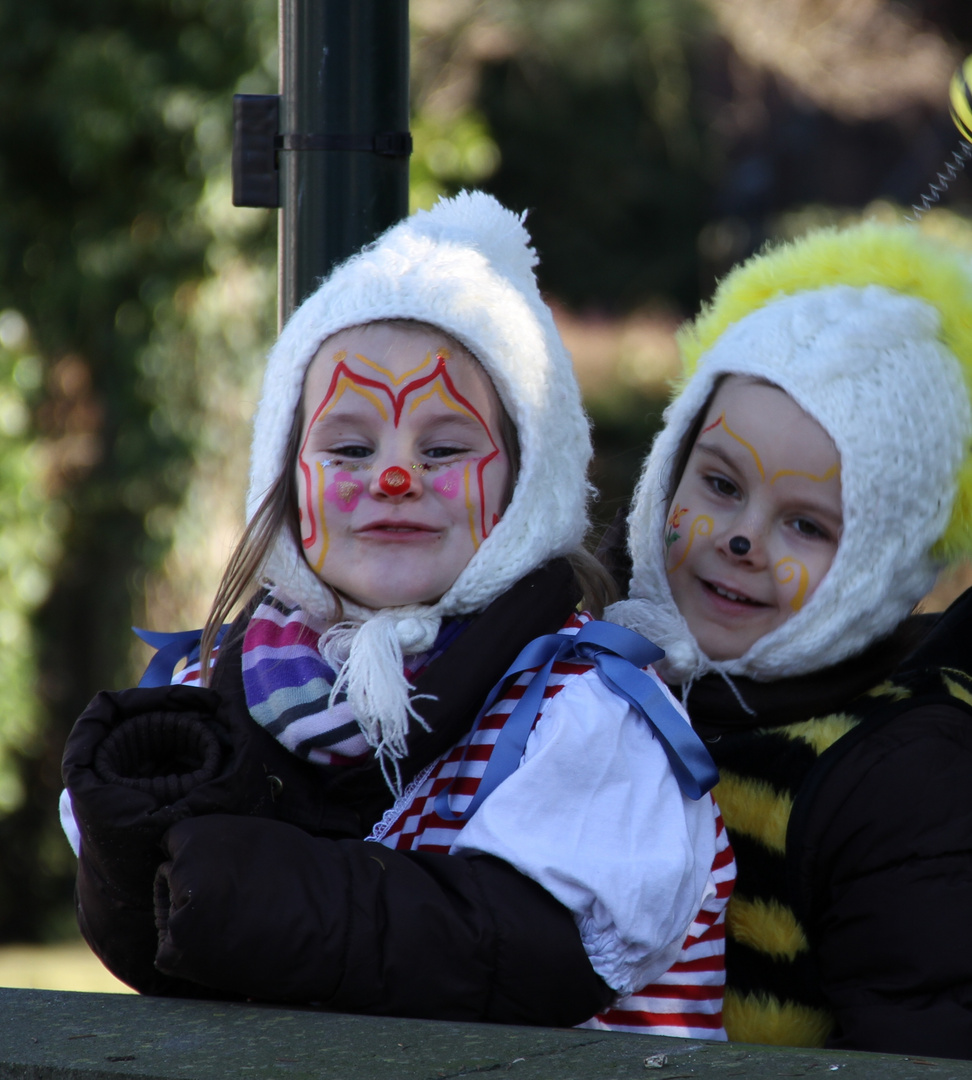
595, 815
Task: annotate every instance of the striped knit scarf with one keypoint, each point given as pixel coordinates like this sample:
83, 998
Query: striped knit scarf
288, 683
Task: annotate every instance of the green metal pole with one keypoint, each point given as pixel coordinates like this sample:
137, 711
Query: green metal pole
343, 148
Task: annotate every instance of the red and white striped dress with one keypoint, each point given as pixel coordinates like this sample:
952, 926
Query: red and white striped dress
687, 999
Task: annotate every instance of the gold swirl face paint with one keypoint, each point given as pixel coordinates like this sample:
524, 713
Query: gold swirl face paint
788, 570
401, 472
763, 471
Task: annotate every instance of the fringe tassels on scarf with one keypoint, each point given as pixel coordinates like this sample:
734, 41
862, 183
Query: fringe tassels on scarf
369, 660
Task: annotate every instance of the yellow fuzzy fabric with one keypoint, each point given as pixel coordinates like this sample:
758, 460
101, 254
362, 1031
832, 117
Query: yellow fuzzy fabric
897, 257
754, 808
956, 689
763, 1019
767, 926
890, 690
819, 734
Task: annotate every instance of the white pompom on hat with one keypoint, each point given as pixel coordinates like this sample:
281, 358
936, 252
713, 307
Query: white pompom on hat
466, 267
869, 330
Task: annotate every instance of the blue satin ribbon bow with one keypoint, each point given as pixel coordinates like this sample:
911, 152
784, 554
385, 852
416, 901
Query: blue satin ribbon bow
618, 655
184, 644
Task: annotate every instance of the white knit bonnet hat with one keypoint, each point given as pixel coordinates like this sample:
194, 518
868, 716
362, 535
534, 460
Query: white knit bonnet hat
466, 267
869, 330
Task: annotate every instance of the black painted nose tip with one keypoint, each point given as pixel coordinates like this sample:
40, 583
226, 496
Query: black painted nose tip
739, 545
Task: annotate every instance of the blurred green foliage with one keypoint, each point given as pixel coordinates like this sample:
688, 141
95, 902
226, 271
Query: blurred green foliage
115, 134
30, 532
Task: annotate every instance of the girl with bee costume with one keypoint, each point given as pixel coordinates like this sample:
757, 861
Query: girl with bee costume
811, 478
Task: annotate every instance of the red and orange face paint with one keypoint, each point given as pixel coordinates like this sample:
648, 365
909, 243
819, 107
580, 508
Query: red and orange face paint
393, 397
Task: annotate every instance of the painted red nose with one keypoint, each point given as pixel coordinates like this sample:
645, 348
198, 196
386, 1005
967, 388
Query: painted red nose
394, 481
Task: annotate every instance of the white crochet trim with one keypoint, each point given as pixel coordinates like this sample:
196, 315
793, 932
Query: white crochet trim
401, 804
860, 361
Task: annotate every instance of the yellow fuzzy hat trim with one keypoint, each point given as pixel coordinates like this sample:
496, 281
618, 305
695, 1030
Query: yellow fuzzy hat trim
897, 257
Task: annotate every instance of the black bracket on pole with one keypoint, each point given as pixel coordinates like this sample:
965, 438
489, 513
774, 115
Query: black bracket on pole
257, 140
256, 123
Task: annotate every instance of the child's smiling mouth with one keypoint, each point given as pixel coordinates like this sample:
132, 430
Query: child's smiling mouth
730, 595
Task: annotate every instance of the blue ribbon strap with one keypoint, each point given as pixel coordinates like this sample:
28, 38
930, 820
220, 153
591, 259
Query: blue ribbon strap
618, 655
172, 648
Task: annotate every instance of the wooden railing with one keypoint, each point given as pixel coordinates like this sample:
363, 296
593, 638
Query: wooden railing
56, 1035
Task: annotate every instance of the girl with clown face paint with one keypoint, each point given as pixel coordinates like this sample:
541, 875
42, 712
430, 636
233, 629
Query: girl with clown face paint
326, 812
812, 476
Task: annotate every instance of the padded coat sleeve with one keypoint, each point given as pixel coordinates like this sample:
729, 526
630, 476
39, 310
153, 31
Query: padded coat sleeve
890, 846
120, 929
137, 761
261, 908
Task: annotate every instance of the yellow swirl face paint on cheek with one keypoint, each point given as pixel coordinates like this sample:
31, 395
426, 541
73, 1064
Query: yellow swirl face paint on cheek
701, 526
790, 569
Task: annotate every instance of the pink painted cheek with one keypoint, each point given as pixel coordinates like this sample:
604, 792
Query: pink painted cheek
449, 484
344, 492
